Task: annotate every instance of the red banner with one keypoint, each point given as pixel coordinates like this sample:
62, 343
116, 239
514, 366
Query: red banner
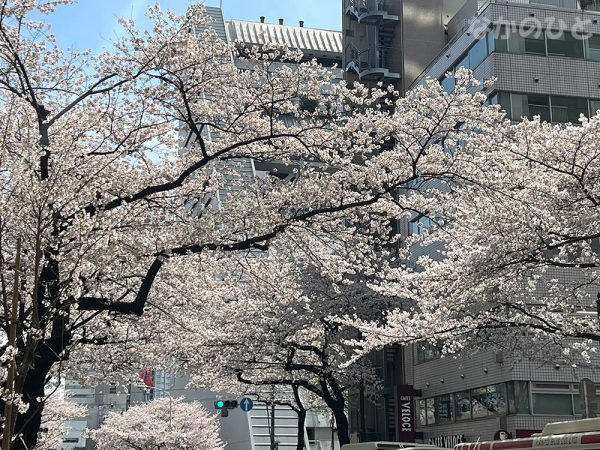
405, 405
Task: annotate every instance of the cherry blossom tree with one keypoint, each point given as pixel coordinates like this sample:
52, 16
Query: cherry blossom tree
521, 253
117, 220
162, 424
272, 322
57, 411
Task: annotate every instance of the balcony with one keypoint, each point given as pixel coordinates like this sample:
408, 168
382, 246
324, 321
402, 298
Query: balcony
370, 11
375, 63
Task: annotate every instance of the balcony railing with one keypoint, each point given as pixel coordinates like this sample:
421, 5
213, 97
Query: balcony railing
373, 63
366, 10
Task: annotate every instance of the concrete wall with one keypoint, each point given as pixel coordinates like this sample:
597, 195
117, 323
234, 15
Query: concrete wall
423, 36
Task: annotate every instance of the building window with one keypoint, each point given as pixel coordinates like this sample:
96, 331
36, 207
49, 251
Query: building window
489, 401
427, 351
554, 109
430, 408
592, 47
448, 84
564, 44
478, 53
518, 397
556, 399
568, 109
594, 106
557, 404
444, 408
463, 405
522, 41
422, 412
524, 105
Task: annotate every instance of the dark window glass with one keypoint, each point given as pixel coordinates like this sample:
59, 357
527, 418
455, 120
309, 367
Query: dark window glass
518, 397
491, 43
444, 409
478, 53
463, 405
526, 41
595, 106
593, 47
538, 105
559, 404
568, 109
503, 99
500, 39
564, 44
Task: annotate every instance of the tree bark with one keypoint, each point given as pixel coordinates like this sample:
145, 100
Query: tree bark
301, 411
343, 428
28, 423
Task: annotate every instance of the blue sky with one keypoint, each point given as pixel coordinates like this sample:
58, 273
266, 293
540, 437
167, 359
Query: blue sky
93, 23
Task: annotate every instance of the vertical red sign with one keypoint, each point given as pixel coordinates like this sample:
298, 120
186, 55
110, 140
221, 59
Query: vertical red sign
405, 405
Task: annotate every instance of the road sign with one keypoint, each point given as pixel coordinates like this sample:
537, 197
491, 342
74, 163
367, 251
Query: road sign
246, 404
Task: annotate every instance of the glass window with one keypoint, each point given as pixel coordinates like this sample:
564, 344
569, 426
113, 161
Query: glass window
430, 405
518, 397
444, 408
464, 62
564, 44
420, 226
448, 84
526, 41
422, 413
594, 106
463, 405
568, 109
560, 404
478, 53
488, 401
592, 46
503, 99
578, 406
500, 39
491, 42
524, 105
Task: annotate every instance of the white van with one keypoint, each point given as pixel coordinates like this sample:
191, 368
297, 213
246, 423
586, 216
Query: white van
390, 446
574, 435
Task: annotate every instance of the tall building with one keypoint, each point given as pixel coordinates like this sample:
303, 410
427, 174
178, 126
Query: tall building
545, 55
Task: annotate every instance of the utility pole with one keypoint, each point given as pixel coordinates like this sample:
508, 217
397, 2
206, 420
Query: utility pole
12, 338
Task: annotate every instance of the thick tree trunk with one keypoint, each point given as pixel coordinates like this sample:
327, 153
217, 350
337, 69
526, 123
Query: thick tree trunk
341, 421
28, 424
301, 411
301, 445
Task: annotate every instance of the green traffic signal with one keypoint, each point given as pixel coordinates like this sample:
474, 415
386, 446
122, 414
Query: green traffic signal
219, 404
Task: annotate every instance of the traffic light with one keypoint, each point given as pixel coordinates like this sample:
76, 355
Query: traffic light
225, 406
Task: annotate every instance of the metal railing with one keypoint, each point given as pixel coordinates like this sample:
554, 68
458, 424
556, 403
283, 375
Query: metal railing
373, 58
362, 6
